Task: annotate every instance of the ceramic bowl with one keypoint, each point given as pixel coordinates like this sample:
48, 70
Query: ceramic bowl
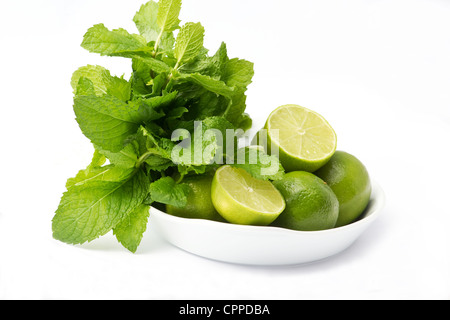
265, 246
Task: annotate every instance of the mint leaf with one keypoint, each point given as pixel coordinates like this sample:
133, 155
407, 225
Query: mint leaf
130, 231
98, 160
235, 110
196, 170
95, 74
238, 73
260, 165
210, 66
155, 152
126, 158
168, 13
152, 108
119, 42
209, 84
92, 209
106, 173
166, 191
206, 145
156, 65
201, 102
106, 121
140, 79
102, 81
244, 122
145, 20
85, 87
189, 42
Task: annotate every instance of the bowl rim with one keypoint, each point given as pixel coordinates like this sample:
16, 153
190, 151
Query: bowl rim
378, 197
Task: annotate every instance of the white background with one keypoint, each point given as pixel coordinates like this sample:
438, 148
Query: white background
378, 70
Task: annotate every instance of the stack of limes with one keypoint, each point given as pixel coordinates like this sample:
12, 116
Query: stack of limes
322, 188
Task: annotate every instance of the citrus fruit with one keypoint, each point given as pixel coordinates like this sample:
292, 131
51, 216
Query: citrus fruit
304, 140
350, 181
242, 199
311, 205
199, 204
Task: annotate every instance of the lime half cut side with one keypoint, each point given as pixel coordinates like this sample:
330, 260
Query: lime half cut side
303, 138
242, 199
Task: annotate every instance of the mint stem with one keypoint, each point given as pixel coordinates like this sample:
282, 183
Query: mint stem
144, 157
155, 50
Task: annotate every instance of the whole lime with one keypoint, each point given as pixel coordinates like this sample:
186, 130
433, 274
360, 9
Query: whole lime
311, 205
348, 178
199, 203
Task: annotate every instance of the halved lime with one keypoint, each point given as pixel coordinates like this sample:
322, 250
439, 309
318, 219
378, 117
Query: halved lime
242, 199
304, 139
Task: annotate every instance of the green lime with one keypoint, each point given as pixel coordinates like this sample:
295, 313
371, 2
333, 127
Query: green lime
199, 204
304, 140
311, 205
350, 181
242, 199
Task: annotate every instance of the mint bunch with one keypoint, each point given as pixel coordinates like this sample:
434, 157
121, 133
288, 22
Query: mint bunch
175, 84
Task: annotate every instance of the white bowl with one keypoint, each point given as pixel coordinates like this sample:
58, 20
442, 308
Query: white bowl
267, 246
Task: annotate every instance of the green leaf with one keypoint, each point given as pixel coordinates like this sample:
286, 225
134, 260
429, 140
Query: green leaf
158, 84
209, 66
150, 142
189, 42
154, 151
106, 121
147, 24
176, 113
130, 231
145, 20
152, 108
196, 170
205, 146
236, 109
210, 84
156, 65
125, 159
142, 83
200, 102
119, 42
168, 13
106, 173
244, 122
85, 87
94, 168
166, 44
146, 110
260, 165
103, 82
157, 163
166, 191
238, 73
94, 208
